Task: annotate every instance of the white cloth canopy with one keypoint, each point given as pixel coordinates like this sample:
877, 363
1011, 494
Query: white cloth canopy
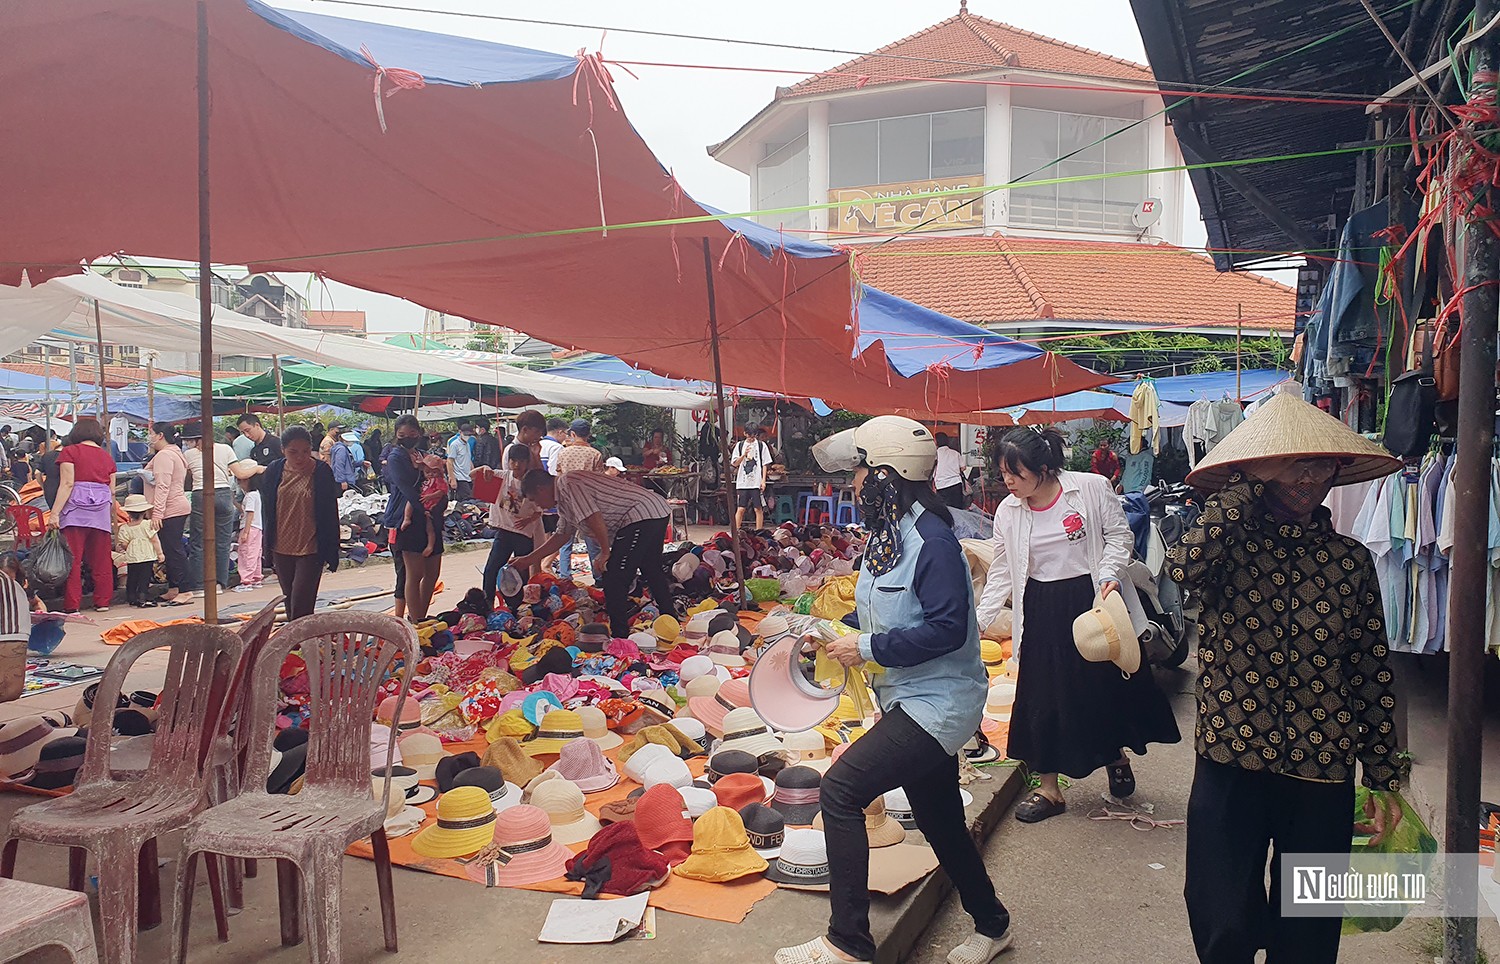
64, 308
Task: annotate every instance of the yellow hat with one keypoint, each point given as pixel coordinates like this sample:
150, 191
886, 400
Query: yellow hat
465, 824
521, 659
721, 849
703, 607
557, 728
993, 657
666, 629
666, 736
512, 723
550, 642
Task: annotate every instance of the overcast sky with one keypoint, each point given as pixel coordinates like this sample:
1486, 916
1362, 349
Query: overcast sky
679, 111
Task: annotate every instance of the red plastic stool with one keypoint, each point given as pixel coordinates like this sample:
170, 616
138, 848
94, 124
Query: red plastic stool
30, 522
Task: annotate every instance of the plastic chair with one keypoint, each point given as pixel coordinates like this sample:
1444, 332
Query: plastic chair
786, 509
349, 655
30, 523
119, 820
38, 917
848, 513
679, 511
809, 501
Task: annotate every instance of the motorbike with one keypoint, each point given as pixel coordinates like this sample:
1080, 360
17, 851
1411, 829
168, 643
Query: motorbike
1164, 510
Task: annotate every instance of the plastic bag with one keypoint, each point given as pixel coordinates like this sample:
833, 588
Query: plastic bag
51, 562
1385, 824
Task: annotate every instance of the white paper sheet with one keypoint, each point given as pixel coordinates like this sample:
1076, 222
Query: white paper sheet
592, 921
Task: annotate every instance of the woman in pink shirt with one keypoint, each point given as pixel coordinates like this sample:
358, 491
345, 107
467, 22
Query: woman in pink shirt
169, 506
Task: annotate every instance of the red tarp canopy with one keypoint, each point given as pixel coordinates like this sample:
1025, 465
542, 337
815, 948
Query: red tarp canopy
455, 206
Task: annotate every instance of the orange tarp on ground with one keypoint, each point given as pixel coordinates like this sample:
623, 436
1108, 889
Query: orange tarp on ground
726, 902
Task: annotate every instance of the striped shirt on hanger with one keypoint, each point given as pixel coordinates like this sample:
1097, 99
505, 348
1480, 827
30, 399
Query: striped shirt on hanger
15, 611
619, 503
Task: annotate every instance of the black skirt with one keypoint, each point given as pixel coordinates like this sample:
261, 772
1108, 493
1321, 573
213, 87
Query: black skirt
1072, 716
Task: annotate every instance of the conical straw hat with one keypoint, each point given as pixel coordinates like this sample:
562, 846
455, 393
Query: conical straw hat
1286, 427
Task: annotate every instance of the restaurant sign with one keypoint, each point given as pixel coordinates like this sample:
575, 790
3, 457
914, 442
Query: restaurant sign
898, 207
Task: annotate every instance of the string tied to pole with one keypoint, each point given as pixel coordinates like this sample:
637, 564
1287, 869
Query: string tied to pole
592, 71
675, 187
400, 77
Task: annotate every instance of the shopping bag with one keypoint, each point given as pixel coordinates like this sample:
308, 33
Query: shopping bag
51, 562
1384, 823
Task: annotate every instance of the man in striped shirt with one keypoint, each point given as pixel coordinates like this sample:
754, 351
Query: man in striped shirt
628, 522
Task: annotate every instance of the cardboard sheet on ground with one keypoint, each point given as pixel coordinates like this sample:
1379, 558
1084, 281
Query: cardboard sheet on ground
729, 902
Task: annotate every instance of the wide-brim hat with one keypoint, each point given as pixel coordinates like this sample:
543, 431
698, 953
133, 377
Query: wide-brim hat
1286, 427
448, 769
465, 824
803, 860
503, 793
1000, 700
797, 795
524, 851
881, 830
557, 729
404, 784
563, 803
596, 728
422, 752
781, 699
898, 807
582, 762
136, 503
745, 730
724, 648
21, 742
58, 764
1105, 633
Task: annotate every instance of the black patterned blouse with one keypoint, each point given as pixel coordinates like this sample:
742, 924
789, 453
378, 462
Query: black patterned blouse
1292, 643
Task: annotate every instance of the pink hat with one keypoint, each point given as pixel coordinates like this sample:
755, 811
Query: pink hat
710, 710
522, 852
784, 697
582, 762
566, 687
411, 714
512, 700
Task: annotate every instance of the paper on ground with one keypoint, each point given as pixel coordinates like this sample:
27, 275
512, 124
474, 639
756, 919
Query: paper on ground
592, 921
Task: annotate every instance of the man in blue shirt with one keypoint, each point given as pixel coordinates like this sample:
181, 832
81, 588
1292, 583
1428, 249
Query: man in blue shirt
341, 460
461, 461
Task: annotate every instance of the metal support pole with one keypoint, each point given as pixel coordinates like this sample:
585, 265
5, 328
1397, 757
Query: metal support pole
206, 331
72, 381
151, 387
1471, 484
280, 396
99, 347
1239, 340
724, 434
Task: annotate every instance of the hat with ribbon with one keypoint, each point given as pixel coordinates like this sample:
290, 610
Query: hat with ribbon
693, 730
698, 800
745, 730
521, 851
563, 803
401, 818
1105, 634
1000, 700
449, 767
732, 695
721, 849
773, 628
557, 729
582, 762
21, 742
661, 822
808, 748
737, 790
724, 648
404, 784
797, 795
666, 630
992, 654
899, 808
465, 824
702, 687
803, 860
511, 723
724, 762
422, 752
881, 830
506, 755
658, 705
765, 827
411, 714
645, 642
593, 637
503, 793
696, 633
58, 763
616, 862
539, 704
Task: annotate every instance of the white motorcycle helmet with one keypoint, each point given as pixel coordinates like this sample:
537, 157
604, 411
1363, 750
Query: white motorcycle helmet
904, 444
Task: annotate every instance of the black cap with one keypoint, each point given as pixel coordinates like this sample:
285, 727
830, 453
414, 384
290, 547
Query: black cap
449, 767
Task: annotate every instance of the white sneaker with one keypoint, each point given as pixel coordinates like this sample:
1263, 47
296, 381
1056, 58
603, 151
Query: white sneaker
980, 949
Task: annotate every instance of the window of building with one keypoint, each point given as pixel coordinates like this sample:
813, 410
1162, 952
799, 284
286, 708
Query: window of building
1091, 146
781, 178
896, 150
130, 278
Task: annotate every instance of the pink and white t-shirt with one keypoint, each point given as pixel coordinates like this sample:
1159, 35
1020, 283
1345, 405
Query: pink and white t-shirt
1059, 542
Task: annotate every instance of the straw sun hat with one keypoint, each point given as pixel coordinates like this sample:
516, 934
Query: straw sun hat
1286, 427
1105, 634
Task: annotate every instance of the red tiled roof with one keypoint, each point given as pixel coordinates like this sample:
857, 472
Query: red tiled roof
336, 320
968, 44
998, 279
115, 376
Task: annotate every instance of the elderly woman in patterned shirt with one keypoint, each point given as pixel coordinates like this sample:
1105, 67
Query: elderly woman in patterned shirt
1295, 685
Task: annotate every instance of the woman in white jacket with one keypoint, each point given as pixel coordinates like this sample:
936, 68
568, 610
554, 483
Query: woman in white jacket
1060, 538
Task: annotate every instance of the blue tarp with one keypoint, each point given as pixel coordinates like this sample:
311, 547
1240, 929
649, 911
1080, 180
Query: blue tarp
1187, 389
20, 386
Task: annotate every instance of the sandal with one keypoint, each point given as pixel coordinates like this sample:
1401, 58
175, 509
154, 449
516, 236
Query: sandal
1121, 780
815, 951
1038, 807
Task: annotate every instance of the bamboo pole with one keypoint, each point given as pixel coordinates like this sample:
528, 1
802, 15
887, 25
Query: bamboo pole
99, 348
713, 328
206, 329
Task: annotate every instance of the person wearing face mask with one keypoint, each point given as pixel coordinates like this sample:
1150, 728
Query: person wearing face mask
300, 533
1061, 542
914, 609
1295, 685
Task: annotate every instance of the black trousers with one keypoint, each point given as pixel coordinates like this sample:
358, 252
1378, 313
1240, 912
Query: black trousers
398, 558
137, 582
175, 551
896, 752
506, 546
953, 495
1235, 818
299, 577
636, 548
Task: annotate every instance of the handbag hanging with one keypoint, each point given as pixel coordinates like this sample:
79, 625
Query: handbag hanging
1411, 408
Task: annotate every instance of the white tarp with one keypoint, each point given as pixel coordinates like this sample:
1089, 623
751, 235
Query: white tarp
64, 308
